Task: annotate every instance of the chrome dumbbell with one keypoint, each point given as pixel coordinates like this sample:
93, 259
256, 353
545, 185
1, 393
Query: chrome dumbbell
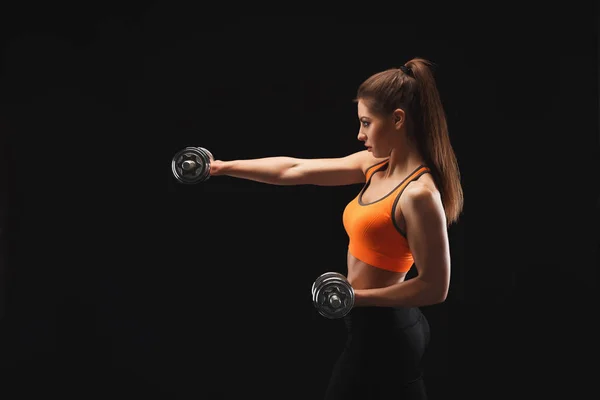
192, 165
332, 295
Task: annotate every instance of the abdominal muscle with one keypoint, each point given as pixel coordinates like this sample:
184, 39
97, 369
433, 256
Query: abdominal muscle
365, 276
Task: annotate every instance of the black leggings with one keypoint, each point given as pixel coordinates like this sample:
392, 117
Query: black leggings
382, 356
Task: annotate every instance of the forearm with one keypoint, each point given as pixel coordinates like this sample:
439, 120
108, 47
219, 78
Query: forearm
410, 293
271, 170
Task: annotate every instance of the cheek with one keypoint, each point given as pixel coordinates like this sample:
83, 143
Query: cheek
374, 134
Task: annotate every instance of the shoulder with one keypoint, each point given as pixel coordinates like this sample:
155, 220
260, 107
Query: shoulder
421, 199
368, 161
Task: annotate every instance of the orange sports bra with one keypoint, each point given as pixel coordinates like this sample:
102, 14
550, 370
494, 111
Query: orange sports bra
374, 236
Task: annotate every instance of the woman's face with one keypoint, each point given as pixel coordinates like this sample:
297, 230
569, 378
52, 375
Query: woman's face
375, 131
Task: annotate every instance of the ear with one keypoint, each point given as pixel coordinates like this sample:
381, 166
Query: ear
399, 118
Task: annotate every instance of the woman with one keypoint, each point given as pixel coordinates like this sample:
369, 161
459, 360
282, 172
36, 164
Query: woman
399, 219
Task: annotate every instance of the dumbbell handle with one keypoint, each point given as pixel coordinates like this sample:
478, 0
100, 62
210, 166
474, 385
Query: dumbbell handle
188, 165
335, 301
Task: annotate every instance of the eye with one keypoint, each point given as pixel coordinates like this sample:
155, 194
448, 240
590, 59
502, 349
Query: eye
365, 123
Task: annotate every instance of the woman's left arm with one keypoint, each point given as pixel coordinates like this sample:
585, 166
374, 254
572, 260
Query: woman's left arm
427, 236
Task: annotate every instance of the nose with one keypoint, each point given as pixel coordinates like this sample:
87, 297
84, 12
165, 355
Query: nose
361, 136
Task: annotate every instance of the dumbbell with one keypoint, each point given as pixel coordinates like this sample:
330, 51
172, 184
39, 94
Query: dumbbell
332, 295
192, 165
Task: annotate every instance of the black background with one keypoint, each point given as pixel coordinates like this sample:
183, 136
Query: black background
119, 282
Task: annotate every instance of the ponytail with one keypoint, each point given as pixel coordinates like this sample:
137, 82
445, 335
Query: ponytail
433, 139
412, 87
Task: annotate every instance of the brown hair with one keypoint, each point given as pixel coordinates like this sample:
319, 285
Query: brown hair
412, 88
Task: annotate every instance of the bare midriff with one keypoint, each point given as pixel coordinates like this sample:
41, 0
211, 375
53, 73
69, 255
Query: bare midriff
364, 276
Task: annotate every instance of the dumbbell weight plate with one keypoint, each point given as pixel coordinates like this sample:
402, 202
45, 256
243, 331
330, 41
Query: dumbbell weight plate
207, 158
324, 276
328, 285
325, 305
192, 165
207, 152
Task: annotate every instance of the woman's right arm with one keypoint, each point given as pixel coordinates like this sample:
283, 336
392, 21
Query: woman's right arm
284, 170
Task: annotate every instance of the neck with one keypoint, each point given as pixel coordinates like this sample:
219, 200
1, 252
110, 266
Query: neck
403, 161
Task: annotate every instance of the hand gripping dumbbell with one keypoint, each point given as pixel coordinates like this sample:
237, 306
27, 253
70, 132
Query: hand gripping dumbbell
332, 295
192, 165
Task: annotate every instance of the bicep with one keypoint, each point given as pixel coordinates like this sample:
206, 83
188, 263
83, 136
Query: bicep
338, 171
427, 236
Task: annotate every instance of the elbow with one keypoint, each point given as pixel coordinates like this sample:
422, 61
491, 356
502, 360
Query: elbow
437, 288
290, 176
435, 300
437, 294
440, 297
440, 293
435, 297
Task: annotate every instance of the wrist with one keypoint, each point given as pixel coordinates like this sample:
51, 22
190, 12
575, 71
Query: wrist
359, 298
219, 167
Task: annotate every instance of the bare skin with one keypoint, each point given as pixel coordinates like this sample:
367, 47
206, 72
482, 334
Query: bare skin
419, 213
